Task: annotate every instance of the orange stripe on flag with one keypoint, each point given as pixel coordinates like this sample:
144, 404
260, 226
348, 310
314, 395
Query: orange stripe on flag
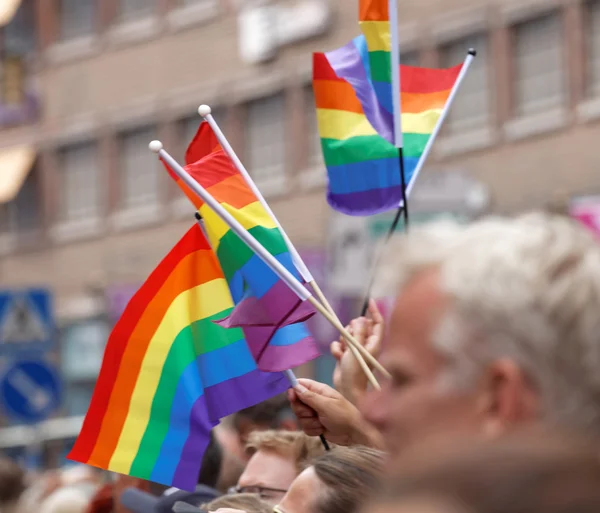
414, 103
336, 96
374, 10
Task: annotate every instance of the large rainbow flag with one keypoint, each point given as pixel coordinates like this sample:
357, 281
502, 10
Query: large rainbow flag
356, 130
170, 373
271, 314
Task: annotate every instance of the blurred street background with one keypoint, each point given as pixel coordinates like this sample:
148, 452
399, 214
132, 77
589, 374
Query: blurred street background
86, 211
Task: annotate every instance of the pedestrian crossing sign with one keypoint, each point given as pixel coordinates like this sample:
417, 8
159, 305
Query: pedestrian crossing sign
26, 320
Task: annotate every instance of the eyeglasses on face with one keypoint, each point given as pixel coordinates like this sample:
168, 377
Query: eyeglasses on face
262, 491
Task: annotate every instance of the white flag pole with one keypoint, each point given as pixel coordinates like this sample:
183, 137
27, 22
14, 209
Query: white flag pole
395, 65
206, 112
287, 277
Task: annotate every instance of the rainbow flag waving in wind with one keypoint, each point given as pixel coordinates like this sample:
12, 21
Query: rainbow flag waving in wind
270, 314
170, 373
355, 115
356, 132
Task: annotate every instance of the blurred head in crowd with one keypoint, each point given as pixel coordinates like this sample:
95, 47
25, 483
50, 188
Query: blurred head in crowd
524, 473
496, 324
211, 463
233, 456
68, 499
12, 485
339, 481
12, 481
274, 413
277, 457
79, 474
102, 501
248, 502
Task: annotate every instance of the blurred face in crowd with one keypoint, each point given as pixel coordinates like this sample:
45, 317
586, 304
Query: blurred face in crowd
301, 497
268, 474
418, 401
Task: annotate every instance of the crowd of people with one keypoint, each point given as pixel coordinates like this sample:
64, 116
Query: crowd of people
492, 404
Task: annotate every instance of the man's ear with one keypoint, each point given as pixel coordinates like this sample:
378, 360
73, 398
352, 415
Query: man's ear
507, 397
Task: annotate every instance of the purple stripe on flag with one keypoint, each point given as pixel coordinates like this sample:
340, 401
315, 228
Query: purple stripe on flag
217, 402
288, 356
244, 391
278, 307
366, 203
348, 65
188, 468
294, 355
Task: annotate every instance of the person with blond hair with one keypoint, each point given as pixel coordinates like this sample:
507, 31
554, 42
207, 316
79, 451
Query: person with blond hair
495, 326
276, 458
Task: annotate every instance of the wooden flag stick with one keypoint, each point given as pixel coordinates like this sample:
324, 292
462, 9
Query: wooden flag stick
370, 376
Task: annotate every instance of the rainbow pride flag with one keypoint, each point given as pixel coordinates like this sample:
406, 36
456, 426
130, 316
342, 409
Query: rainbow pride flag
270, 314
356, 131
374, 21
170, 373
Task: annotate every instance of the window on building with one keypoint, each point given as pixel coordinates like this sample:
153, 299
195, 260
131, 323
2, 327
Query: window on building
76, 18
593, 44
265, 141
189, 127
19, 34
471, 107
5, 219
28, 205
80, 182
17, 43
133, 9
23, 215
410, 58
138, 169
539, 68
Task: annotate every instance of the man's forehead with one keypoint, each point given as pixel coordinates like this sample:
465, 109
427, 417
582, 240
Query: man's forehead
414, 319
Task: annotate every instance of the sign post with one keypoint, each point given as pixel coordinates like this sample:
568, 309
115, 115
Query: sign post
30, 387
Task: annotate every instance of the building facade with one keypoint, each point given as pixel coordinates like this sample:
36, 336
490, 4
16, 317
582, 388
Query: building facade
87, 84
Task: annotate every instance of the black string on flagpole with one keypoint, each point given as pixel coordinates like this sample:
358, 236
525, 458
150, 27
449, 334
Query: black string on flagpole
403, 209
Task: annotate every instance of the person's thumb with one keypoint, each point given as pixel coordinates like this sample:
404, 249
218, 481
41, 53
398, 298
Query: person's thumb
312, 393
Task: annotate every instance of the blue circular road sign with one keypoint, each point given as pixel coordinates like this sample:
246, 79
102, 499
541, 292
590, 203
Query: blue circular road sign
30, 391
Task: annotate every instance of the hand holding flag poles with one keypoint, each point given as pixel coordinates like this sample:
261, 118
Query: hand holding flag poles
288, 278
205, 112
289, 374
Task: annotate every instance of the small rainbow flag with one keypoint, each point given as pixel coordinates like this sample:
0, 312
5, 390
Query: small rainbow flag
357, 133
170, 373
374, 21
269, 312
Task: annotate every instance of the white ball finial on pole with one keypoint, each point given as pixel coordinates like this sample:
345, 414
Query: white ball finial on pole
204, 110
155, 146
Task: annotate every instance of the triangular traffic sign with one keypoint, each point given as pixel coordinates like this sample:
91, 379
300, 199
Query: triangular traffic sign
22, 322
